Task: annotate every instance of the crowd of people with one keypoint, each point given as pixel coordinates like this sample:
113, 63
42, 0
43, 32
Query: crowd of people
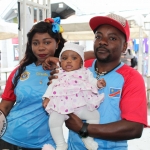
122, 114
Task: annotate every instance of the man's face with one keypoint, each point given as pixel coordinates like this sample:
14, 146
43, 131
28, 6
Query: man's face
109, 44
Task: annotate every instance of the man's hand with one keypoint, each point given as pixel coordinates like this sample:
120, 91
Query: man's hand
50, 63
74, 123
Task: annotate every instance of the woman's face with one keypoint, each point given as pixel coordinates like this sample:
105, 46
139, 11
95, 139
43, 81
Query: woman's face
43, 46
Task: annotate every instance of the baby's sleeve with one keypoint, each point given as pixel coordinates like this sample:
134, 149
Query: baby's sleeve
49, 90
91, 79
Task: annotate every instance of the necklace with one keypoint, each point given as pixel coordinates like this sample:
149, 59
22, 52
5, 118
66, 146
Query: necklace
98, 74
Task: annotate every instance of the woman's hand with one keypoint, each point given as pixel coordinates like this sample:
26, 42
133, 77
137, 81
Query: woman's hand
50, 63
45, 102
53, 75
74, 123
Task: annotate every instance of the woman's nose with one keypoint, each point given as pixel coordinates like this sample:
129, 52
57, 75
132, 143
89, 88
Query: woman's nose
41, 47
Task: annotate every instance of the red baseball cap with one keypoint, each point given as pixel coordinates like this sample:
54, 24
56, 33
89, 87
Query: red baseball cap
111, 19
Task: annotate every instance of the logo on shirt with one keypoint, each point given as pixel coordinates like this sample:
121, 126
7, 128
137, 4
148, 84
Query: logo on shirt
114, 92
24, 76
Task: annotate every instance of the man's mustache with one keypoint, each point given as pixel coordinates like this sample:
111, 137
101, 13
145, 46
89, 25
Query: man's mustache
103, 47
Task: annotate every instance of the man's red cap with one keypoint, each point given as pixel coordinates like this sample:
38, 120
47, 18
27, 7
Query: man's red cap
111, 19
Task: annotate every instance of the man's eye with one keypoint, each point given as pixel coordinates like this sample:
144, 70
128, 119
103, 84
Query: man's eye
112, 38
97, 37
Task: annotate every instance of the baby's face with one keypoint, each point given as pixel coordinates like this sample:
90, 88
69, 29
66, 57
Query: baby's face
71, 60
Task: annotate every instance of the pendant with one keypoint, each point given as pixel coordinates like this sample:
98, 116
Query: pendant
98, 76
41, 82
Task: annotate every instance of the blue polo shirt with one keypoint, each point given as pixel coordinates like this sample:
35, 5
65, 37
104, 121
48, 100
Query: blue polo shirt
124, 99
27, 120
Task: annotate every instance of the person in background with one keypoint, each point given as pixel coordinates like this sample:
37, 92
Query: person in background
124, 109
129, 58
22, 98
75, 91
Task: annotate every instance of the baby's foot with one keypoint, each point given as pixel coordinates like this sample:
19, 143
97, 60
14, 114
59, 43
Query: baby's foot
64, 147
90, 144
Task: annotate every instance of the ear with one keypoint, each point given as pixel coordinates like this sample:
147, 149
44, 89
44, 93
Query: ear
57, 44
125, 45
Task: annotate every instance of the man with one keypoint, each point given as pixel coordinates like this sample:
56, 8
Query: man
123, 113
126, 57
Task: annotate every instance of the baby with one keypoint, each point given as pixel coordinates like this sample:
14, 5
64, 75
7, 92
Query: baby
75, 91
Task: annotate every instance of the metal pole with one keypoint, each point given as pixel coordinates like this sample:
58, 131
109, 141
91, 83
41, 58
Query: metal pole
20, 31
24, 26
140, 51
148, 68
48, 10
148, 71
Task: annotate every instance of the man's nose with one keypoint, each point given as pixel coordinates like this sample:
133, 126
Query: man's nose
103, 41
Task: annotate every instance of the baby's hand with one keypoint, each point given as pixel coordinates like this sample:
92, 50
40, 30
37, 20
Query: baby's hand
101, 83
45, 102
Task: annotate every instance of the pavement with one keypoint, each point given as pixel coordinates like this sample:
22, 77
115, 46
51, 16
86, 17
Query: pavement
142, 143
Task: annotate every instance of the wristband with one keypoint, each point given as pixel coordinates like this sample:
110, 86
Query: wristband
84, 132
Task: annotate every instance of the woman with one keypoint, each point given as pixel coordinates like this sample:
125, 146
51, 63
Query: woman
22, 98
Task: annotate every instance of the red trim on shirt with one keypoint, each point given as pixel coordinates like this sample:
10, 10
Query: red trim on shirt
8, 93
88, 63
133, 103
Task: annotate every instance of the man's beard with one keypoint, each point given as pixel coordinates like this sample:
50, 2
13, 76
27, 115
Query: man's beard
104, 60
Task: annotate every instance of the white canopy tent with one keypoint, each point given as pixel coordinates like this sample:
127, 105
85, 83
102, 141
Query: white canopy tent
8, 30
77, 28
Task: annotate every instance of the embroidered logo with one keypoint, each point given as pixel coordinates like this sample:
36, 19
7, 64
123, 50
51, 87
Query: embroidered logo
114, 92
24, 76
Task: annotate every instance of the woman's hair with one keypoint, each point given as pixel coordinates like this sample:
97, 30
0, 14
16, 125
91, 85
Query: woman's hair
29, 58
